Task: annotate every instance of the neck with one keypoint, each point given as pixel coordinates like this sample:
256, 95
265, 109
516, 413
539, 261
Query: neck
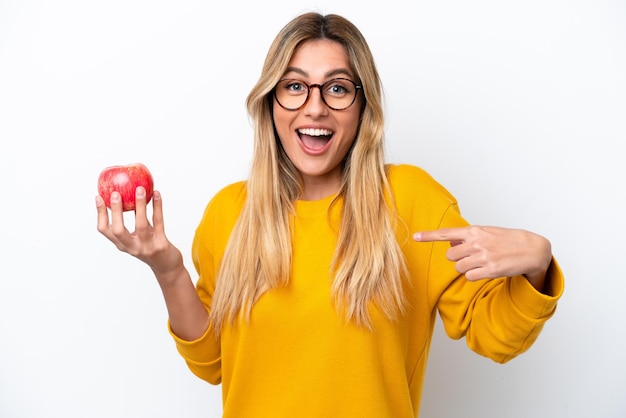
316, 188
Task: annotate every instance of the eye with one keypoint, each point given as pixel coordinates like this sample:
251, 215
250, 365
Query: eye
339, 87
294, 86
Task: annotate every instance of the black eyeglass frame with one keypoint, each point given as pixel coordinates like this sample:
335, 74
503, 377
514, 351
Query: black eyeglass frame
310, 87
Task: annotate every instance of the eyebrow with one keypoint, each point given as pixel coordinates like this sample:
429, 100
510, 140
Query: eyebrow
338, 71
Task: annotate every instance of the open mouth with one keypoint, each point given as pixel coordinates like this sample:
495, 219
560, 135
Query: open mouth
315, 139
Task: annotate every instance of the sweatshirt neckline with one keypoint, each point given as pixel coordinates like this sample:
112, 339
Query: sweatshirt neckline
314, 207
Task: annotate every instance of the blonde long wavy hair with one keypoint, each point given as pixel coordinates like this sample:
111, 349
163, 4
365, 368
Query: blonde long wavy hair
368, 265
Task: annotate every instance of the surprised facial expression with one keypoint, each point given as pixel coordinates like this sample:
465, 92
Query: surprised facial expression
315, 137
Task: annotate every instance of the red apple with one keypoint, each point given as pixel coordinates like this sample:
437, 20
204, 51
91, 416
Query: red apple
125, 179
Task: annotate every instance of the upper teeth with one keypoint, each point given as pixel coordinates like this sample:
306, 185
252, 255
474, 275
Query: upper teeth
315, 132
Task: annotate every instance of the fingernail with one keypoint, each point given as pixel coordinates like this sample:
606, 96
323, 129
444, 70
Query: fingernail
156, 195
115, 197
140, 192
99, 201
417, 236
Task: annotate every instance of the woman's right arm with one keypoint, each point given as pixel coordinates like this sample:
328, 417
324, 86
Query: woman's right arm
188, 317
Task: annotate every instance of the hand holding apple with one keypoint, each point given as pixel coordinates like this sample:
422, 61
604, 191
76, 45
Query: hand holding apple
125, 179
147, 242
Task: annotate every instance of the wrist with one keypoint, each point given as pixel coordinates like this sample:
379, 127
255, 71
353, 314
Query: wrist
538, 281
172, 272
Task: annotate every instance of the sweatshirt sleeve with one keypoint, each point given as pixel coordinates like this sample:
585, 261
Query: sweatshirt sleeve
500, 318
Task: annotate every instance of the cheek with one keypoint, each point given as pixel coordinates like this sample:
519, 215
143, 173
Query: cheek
351, 123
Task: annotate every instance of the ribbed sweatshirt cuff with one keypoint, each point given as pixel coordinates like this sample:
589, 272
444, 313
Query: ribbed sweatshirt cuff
202, 350
534, 303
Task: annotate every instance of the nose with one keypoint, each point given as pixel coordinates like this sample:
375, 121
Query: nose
315, 106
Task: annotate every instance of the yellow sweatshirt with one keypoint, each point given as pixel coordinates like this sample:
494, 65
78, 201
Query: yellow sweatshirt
298, 358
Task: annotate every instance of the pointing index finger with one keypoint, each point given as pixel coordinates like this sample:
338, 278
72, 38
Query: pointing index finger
444, 234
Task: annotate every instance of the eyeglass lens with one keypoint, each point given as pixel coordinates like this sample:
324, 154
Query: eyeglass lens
338, 93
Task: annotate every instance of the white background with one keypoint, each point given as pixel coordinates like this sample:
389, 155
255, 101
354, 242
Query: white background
519, 108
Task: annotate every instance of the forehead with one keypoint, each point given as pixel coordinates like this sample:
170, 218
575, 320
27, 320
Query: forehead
320, 57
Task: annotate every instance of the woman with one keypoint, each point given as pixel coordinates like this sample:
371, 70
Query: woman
320, 276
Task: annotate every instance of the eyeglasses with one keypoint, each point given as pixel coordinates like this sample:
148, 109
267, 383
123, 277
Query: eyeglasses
338, 93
